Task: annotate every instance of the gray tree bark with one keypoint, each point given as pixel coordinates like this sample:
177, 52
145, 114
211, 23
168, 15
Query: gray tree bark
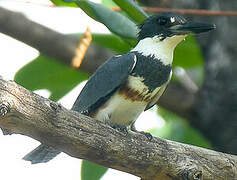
24, 112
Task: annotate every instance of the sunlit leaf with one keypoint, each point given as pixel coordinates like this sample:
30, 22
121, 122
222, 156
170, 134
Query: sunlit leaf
108, 3
64, 3
188, 54
114, 21
132, 9
92, 171
110, 41
46, 73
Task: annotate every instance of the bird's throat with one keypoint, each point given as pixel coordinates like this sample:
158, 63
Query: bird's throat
162, 50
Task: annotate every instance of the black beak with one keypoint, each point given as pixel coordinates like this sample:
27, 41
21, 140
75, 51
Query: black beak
191, 27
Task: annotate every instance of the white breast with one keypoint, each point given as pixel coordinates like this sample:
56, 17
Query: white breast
120, 110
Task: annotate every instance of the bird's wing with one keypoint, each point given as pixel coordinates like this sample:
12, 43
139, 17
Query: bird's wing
158, 94
104, 82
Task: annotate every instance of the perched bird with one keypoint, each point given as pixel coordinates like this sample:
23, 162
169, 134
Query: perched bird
126, 85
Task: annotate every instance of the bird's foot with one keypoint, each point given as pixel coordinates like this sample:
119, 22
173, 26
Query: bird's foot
148, 135
120, 128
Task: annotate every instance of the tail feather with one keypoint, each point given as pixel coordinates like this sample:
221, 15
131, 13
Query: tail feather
41, 154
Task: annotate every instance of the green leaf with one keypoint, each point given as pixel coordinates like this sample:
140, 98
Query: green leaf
46, 73
188, 54
64, 3
92, 171
110, 41
178, 129
114, 21
108, 3
132, 9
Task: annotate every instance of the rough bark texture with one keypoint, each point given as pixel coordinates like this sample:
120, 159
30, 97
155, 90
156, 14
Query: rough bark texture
24, 112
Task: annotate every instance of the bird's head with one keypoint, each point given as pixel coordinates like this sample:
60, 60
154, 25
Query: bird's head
166, 25
159, 35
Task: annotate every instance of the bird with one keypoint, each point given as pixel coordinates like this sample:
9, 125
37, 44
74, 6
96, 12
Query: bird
128, 84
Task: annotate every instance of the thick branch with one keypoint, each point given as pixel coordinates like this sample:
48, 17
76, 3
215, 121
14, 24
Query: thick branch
49, 42
42, 38
24, 112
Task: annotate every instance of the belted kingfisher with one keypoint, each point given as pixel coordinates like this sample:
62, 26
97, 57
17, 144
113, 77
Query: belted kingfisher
126, 85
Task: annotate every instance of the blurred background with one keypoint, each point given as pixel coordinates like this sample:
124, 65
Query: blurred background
198, 107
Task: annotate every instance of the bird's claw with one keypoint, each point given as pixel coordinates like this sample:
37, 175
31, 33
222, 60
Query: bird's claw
148, 135
120, 128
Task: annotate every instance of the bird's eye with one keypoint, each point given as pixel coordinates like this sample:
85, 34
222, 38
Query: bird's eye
162, 21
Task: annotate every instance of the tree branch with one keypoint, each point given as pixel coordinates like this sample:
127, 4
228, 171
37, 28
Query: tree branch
24, 112
200, 12
42, 38
49, 42
178, 100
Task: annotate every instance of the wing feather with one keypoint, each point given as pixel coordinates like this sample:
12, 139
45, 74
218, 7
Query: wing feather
104, 82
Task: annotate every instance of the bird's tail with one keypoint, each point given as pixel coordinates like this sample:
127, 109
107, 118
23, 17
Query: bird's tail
41, 154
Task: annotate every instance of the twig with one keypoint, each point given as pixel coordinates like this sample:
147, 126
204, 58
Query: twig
200, 12
185, 80
178, 100
24, 112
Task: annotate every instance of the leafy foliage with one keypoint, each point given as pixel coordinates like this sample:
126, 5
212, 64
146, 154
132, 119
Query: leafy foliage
110, 41
114, 21
64, 3
187, 54
46, 73
91, 170
178, 129
132, 9
108, 3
